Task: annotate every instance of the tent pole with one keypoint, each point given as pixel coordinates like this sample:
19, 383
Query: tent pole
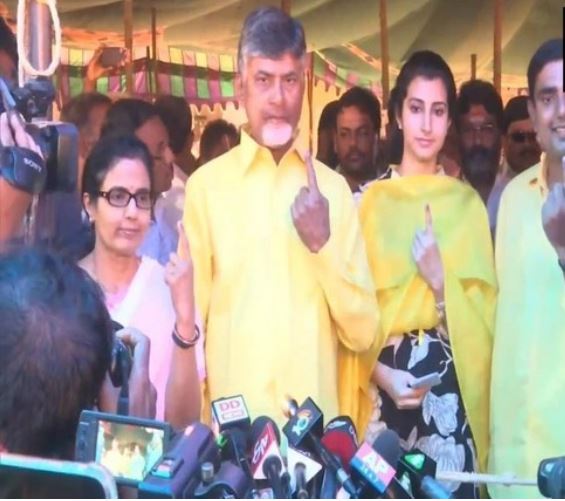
128, 38
473, 66
40, 33
497, 59
384, 52
155, 57
286, 6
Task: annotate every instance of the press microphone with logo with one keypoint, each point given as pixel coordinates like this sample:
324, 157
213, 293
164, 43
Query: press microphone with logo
232, 425
266, 460
340, 438
374, 466
304, 429
303, 468
420, 469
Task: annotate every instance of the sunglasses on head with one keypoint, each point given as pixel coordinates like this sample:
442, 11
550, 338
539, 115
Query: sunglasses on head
521, 137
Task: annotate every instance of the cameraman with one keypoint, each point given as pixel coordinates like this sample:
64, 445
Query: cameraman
14, 201
56, 340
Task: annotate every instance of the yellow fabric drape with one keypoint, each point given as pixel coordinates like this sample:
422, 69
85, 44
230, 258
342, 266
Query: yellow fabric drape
391, 211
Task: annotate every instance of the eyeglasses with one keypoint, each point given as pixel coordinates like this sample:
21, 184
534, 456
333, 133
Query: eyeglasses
120, 197
522, 137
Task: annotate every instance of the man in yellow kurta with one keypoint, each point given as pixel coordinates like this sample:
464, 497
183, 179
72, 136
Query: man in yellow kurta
281, 275
528, 381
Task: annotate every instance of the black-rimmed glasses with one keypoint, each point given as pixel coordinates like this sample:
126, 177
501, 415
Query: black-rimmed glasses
120, 197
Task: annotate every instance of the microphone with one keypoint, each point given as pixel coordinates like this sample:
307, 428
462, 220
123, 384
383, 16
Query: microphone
340, 438
303, 468
303, 430
231, 423
373, 464
266, 461
551, 478
420, 470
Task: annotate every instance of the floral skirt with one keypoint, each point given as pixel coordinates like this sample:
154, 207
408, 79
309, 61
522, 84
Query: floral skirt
439, 427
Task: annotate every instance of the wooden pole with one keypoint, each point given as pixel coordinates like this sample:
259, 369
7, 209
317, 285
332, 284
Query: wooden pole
473, 66
384, 51
154, 54
497, 58
128, 38
286, 6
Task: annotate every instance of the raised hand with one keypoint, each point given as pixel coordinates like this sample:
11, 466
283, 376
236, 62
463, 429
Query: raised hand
94, 68
425, 252
179, 276
310, 212
553, 217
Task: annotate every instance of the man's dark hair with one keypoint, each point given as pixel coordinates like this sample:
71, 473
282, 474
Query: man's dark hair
365, 101
516, 109
8, 41
269, 32
125, 116
77, 110
176, 115
55, 349
105, 154
479, 92
328, 116
213, 133
549, 51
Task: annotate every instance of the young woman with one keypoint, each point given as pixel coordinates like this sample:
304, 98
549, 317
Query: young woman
118, 196
430, 254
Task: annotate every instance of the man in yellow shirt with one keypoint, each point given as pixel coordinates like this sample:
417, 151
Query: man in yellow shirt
528, 382
281, 274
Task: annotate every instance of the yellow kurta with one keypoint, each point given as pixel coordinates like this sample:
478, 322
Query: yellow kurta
274, 312
528, 380
391, 212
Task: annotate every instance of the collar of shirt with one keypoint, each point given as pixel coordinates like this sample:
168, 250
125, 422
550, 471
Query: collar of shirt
251, 151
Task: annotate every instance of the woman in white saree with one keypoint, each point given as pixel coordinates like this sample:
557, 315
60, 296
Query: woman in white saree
118, 195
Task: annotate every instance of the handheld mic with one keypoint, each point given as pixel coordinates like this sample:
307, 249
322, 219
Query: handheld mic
373, 464
231, 423
420, 469
304, 429
551, 478
340, 438
266, 462
303, 468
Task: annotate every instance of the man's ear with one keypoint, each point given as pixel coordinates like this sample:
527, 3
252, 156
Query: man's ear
239, 86
532, 113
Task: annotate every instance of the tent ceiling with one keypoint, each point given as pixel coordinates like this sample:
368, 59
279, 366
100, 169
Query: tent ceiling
454, 28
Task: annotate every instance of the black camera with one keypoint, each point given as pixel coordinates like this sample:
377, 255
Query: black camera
58, 141
121, 362
128, 447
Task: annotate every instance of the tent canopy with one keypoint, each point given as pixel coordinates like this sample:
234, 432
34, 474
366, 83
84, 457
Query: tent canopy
453, 28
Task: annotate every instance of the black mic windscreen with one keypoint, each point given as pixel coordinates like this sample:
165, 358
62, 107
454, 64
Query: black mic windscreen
258, 426
551, 478
387, 445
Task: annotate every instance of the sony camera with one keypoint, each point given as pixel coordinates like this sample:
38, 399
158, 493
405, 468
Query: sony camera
58, 141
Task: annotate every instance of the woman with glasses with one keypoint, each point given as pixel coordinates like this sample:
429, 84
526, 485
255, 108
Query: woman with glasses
118, 195
141, 119
430, 254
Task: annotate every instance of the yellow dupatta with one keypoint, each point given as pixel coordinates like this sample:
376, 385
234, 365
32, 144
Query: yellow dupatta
391, 211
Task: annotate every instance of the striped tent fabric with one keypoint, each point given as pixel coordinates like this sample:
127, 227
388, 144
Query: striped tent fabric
202, 79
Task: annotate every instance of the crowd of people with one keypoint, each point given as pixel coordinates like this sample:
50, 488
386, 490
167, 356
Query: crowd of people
259, 270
